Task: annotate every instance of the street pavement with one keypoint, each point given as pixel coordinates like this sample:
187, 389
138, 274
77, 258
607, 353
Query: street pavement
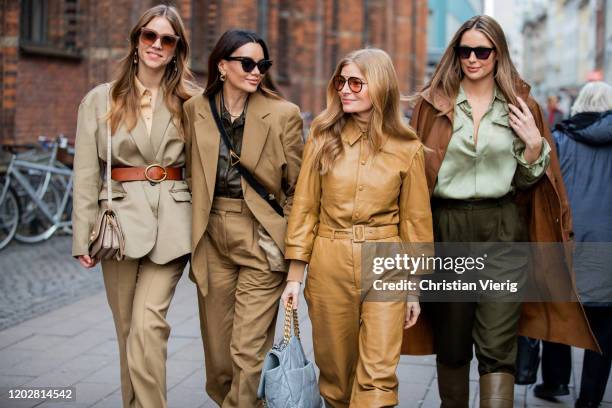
74, 344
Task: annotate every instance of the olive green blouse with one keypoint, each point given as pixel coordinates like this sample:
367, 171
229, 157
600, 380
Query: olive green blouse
494, 166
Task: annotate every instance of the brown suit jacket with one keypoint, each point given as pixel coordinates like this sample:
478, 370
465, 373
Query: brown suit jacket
271, 150
155, 219
549, 219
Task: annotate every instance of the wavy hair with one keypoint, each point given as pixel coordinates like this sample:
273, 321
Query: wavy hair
178, 84
448, 74
386, 119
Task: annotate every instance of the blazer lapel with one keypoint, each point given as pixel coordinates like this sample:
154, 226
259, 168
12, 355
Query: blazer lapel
255, 131
207, 139
161, 120
141, 139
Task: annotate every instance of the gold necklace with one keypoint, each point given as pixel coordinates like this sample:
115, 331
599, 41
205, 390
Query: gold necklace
231, 114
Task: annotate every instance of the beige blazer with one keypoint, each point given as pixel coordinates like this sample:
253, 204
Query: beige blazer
272, 149
155, 218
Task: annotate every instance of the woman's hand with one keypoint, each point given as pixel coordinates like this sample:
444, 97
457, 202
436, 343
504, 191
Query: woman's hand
522, 122
87, 261
292, 291
413, 310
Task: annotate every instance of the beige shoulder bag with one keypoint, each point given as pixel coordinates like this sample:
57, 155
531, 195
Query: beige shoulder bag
106, 240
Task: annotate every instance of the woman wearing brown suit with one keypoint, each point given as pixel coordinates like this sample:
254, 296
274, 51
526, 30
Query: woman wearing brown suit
239, 288
150, 195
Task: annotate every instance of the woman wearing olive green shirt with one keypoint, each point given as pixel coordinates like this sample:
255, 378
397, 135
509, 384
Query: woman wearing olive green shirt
490, 148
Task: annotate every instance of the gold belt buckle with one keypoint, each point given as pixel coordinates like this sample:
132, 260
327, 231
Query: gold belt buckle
358, 233
149, 167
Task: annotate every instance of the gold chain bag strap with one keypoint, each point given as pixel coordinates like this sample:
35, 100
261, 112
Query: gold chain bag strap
287, 378
106, 240
291, 316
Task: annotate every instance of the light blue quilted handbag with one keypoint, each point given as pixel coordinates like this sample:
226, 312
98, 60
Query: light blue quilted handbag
288, 379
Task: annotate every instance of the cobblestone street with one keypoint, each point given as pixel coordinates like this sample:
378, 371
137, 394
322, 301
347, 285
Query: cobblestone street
71, 341
39, 278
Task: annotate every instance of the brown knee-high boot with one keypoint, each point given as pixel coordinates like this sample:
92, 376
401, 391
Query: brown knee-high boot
454, 386
497, 390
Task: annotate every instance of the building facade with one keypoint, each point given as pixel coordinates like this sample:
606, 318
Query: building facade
54, 51
445, 17
567, 43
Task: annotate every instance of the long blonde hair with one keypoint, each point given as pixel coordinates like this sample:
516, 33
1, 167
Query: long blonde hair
177, 83
448, 74
386, 119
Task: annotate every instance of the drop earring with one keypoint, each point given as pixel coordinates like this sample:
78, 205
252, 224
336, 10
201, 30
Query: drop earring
222, 77
136, 56
175, 65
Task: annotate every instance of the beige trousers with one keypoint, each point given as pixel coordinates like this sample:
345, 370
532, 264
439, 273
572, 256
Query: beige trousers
238, 315
139, 293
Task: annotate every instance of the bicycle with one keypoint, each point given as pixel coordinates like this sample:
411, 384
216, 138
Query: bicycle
42, 187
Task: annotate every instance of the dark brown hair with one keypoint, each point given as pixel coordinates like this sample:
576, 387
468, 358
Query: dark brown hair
229, 42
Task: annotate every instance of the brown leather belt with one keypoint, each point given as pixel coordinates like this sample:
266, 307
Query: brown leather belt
154, 173
358, 233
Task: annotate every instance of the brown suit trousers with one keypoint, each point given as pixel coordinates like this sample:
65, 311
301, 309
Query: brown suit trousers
238, 315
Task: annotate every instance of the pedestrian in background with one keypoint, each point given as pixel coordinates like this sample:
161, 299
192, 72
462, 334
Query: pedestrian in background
362, 180
553, 112
238, 235
150, 195
584, 143
488, 140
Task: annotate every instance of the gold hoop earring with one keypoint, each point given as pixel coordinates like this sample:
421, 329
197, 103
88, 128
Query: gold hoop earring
222, 76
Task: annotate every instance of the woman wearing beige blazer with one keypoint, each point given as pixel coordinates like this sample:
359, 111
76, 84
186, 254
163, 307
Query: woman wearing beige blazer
150, 195
238, 291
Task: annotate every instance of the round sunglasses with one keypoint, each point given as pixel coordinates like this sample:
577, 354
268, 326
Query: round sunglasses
482, 53
168, 41
248, 64
355, 84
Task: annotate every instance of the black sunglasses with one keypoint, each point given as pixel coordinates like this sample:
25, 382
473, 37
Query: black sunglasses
482, 53
167, 41
355, 84
249, 64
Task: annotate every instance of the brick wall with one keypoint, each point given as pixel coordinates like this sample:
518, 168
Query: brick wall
41, 90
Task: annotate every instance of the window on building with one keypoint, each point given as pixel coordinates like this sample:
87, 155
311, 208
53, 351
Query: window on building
49, 26
34, 21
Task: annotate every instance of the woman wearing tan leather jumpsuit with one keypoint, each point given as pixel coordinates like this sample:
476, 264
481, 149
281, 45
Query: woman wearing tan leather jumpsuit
150, 195
362, 180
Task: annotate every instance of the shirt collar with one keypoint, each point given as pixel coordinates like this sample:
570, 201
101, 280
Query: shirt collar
462, 97
351, 132
498, 94
462, 102
142, 90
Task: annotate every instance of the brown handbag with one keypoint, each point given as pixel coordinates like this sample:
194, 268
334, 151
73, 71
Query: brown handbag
106, 240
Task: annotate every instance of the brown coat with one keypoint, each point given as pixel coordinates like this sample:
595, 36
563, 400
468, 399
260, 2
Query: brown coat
549, 219
271, 150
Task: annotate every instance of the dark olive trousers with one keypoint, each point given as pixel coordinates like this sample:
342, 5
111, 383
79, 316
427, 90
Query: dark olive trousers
488, 326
